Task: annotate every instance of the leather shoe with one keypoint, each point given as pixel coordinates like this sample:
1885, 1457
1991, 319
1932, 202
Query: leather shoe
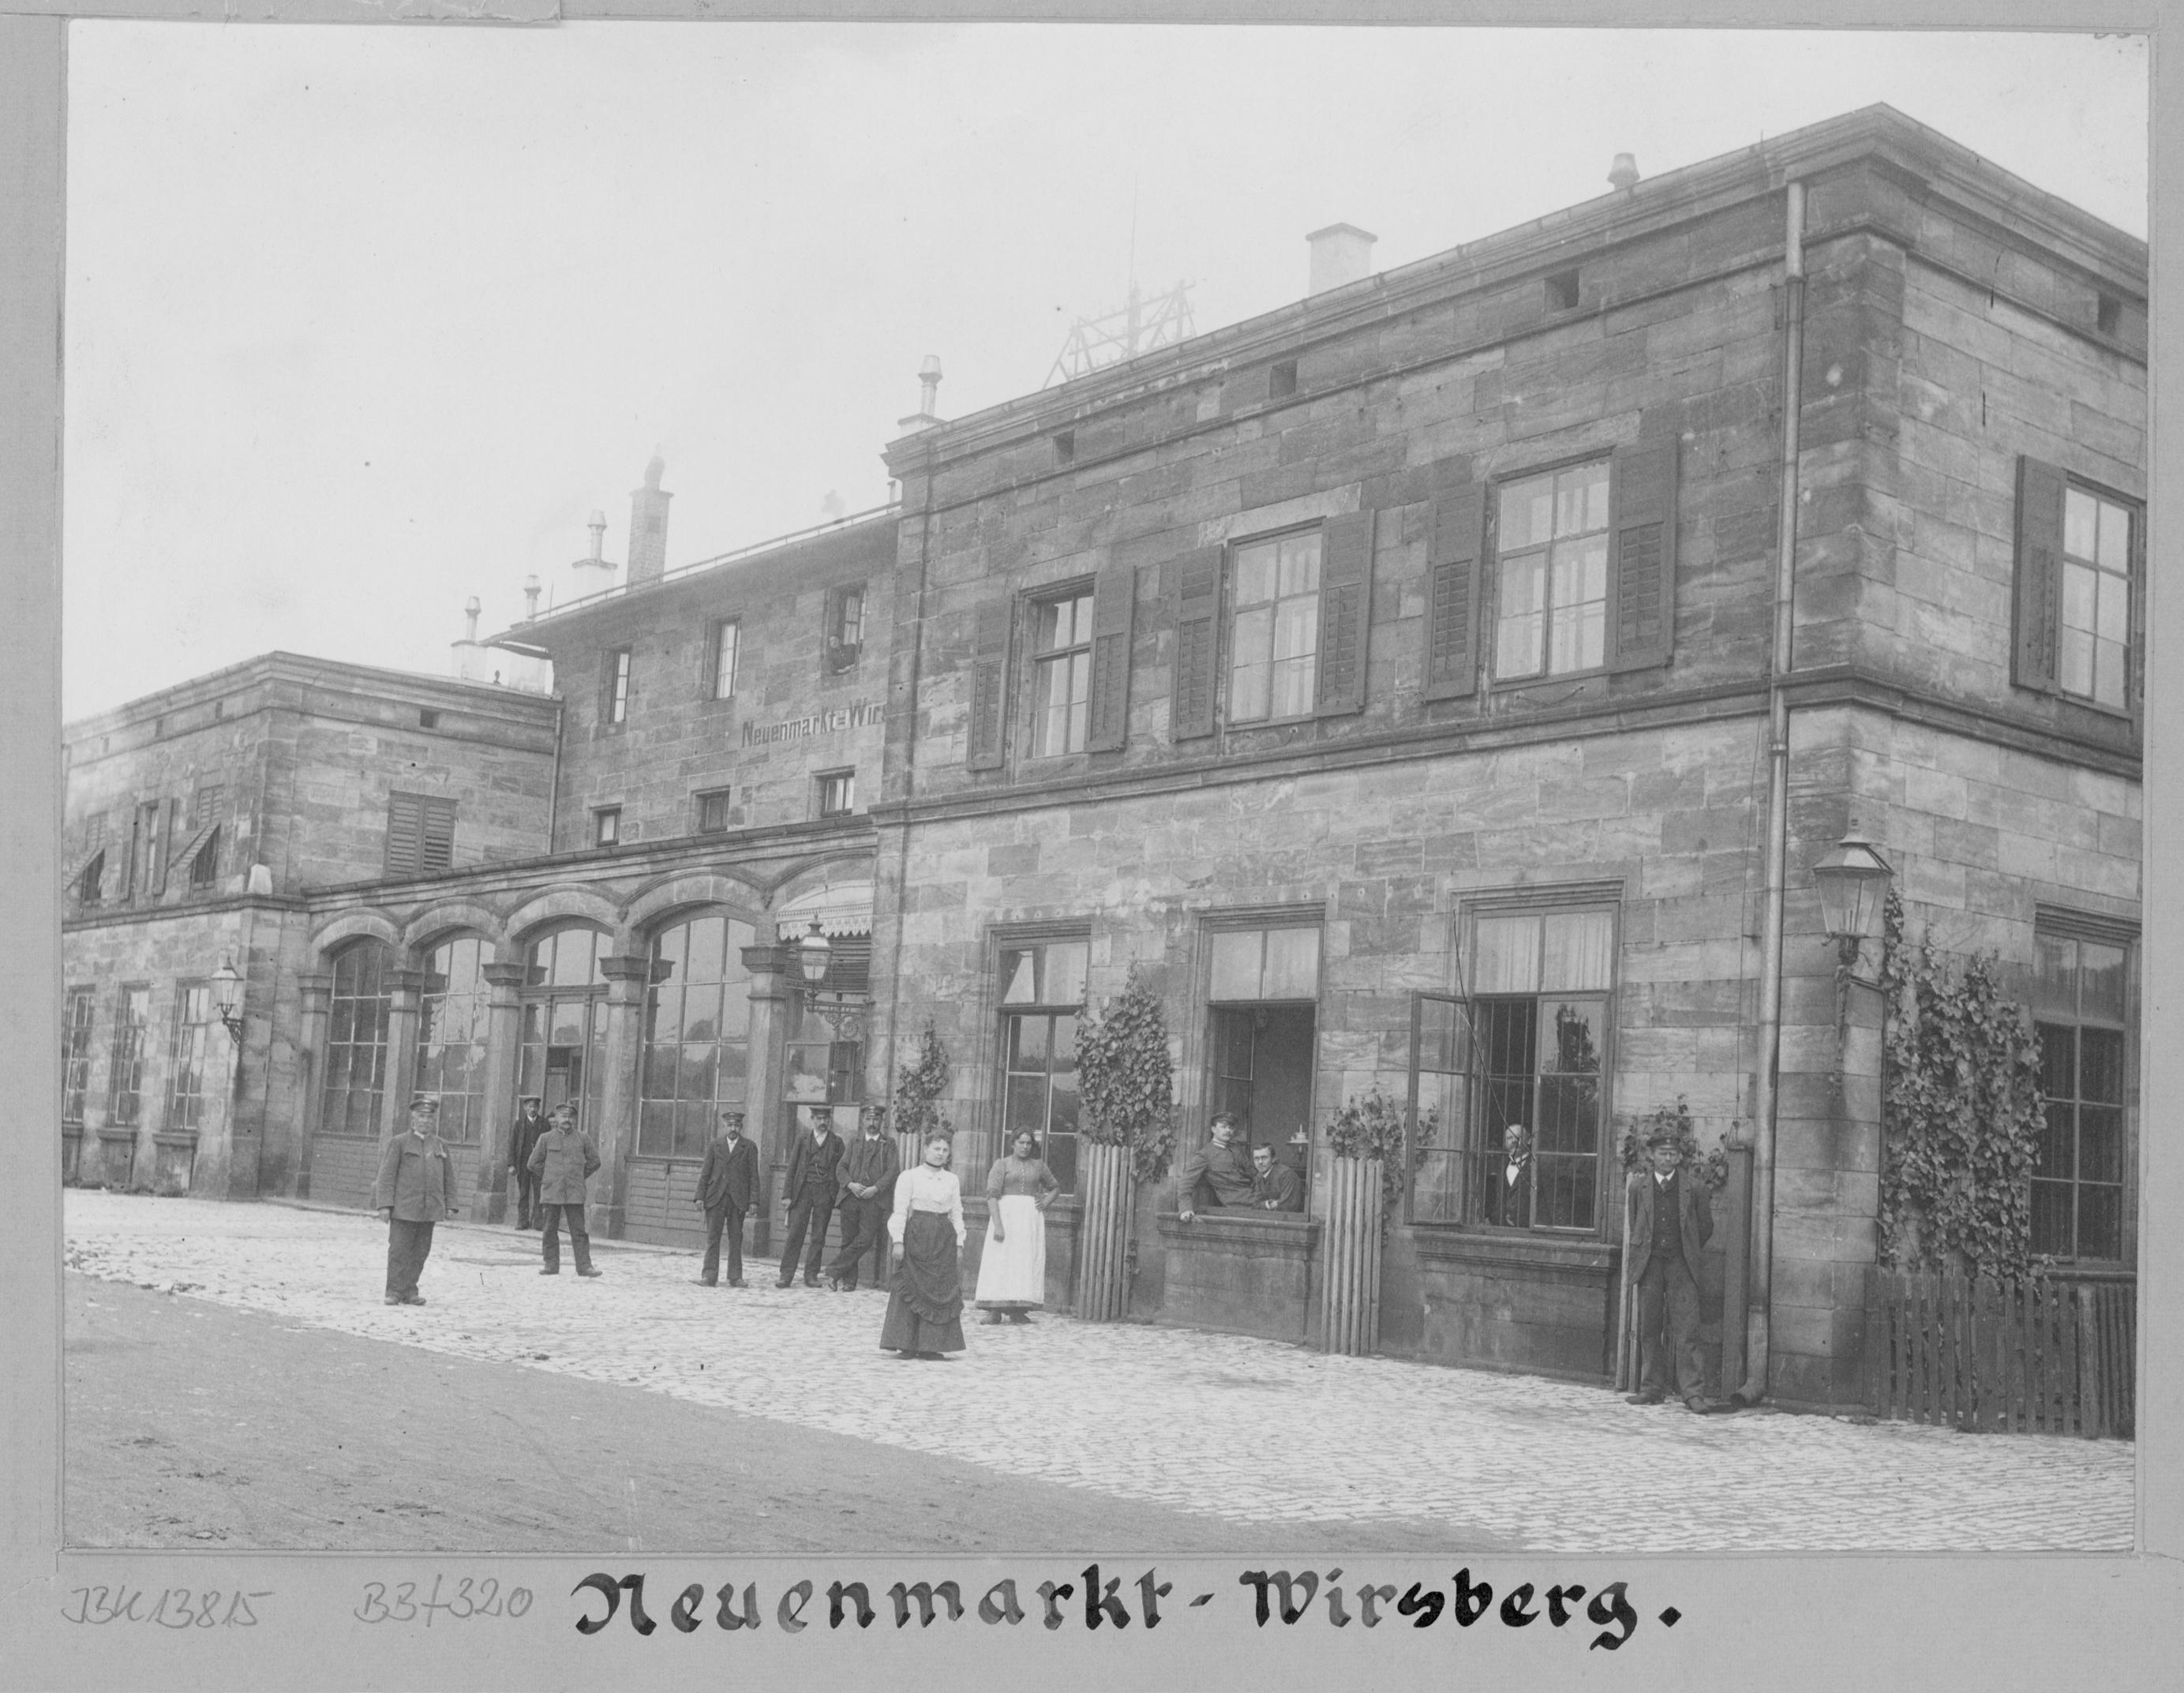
415, 1299
702, 1283
1643, 1398
549, 1271
786, 1282
394, 1299
591, 1272
811, 1281
737, 1284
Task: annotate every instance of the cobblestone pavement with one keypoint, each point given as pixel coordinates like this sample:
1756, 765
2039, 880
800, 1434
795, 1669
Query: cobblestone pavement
1164, 1414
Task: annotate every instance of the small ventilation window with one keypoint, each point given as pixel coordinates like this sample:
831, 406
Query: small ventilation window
1065, 446
1281, 379
428, 718
2109, 314
1561, 291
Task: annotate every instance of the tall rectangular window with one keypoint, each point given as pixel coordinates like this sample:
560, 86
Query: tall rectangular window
721, 671
1061, 674
713, 812
1517, 1068
1273, 635
420, 834
837, 792
1042, 994
2078, 1176
2093, 655
191, 1070
846, 626
76, 1054
144, 851
132, 1018
614, 702
606, 826
1550, 542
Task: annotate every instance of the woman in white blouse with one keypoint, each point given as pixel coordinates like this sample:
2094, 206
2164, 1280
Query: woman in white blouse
925, 1310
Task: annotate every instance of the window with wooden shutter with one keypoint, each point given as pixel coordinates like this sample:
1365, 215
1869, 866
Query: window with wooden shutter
1452, 666
2039, 491
1197, 602
1114, 595
420, 834
989, 686
1346, 613
1641, 570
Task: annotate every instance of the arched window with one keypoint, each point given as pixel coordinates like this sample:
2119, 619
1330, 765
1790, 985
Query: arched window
451, 1022
563, 1051
697, 1027
356, 1040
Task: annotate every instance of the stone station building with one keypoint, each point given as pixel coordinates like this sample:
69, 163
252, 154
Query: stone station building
1404, 678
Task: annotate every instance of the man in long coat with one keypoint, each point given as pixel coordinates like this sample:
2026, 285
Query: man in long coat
727, 1182
1671, 1216
523, 1141
416, 1189
809, 1190
565, 1160
867, 1172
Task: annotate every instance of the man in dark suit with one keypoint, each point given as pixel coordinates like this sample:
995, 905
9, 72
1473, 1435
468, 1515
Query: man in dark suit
523, 1141
867, 1172
1671, 1215
726, 1182
564, 1159
416, 1189
1274, 1185
813, 1166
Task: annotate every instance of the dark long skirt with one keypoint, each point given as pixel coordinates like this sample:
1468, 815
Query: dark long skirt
925, 1310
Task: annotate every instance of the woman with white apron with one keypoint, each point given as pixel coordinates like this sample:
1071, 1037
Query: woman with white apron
1013, 1269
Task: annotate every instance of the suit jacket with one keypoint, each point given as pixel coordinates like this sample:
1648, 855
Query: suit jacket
729, 1177
416, 1178
871, 1162
1227, 1170
523, 1140
1694, 1220
1279, 1189
564, 1159
812, 1164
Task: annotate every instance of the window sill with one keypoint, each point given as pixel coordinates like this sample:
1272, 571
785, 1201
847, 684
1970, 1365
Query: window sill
1451, 1243
1291, 1234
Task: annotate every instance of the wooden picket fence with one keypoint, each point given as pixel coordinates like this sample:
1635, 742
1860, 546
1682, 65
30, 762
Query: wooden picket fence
2048, 1354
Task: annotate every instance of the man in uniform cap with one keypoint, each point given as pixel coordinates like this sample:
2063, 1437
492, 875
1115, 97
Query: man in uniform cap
416, 1189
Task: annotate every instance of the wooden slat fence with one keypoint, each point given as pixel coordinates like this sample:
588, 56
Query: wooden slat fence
2048, 1354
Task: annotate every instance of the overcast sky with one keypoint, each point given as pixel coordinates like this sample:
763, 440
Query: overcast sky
363, 322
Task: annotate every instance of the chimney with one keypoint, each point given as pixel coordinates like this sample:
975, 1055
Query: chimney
928, 396
1341, 253
1624, 173
593, 574
466, 659
648, 526
531, 597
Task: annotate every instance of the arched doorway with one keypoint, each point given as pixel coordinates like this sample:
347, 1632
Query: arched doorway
352, 1082
560, 1058
694, 1063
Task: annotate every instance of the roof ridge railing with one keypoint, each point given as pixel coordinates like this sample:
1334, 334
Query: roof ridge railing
728, 558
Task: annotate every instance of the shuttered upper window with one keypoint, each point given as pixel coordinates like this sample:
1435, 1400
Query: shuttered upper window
1551, 532
2080, 556
420, 834
1273, 628
1583, 576
1061, 674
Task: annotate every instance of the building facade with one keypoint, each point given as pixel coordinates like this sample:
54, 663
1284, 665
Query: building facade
1406, 681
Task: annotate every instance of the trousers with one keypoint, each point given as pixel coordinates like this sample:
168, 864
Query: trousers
720, 1220
408, 1245
1669, 1328
526, 1198
580, 1239
864, 1226
808, 1214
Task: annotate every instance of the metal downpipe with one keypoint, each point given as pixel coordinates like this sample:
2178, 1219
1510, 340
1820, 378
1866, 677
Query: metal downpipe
1760, 1274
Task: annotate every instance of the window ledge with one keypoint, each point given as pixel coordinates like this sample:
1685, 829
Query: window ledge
178, 1137
1448, 1243
1293, 1235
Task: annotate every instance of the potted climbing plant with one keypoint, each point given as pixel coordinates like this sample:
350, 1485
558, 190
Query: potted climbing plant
1125, 1133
